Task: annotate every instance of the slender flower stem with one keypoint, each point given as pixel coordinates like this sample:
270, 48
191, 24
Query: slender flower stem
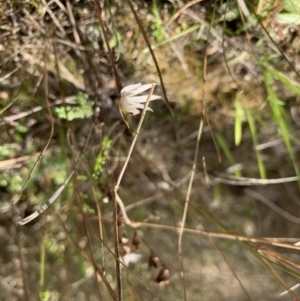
134, 139
117, 200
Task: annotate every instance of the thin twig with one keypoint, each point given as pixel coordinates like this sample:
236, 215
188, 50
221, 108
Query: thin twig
279, 279
50, 135
282, 242
111, 57
181, 10
11, 163
186, 206
60, 189
99, 214
152, 55
8, 74
117, 251
85, 256
11, 118
242, 181
273, 206
77, 196
55, 20
57, 193
73, 22
231, 268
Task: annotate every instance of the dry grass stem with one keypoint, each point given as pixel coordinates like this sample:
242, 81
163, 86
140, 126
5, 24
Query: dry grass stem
186, 205
181, 10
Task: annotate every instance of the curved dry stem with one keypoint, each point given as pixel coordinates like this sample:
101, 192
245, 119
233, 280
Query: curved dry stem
59, 190
273, 206
282, 242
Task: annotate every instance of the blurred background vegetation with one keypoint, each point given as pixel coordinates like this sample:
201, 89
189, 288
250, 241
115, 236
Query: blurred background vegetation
232, 66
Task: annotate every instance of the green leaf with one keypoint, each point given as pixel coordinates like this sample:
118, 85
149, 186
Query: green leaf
82, 110
292, 6
102, 156
222, 142
253, 131
293, 86
288, 18
280, 117
238, 120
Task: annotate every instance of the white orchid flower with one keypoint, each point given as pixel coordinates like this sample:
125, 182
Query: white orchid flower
131, 103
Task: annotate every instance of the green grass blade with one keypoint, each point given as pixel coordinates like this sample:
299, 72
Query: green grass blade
238, 120
222, 142
293, 86
176, 36
279, 117
253, 132
7, 106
